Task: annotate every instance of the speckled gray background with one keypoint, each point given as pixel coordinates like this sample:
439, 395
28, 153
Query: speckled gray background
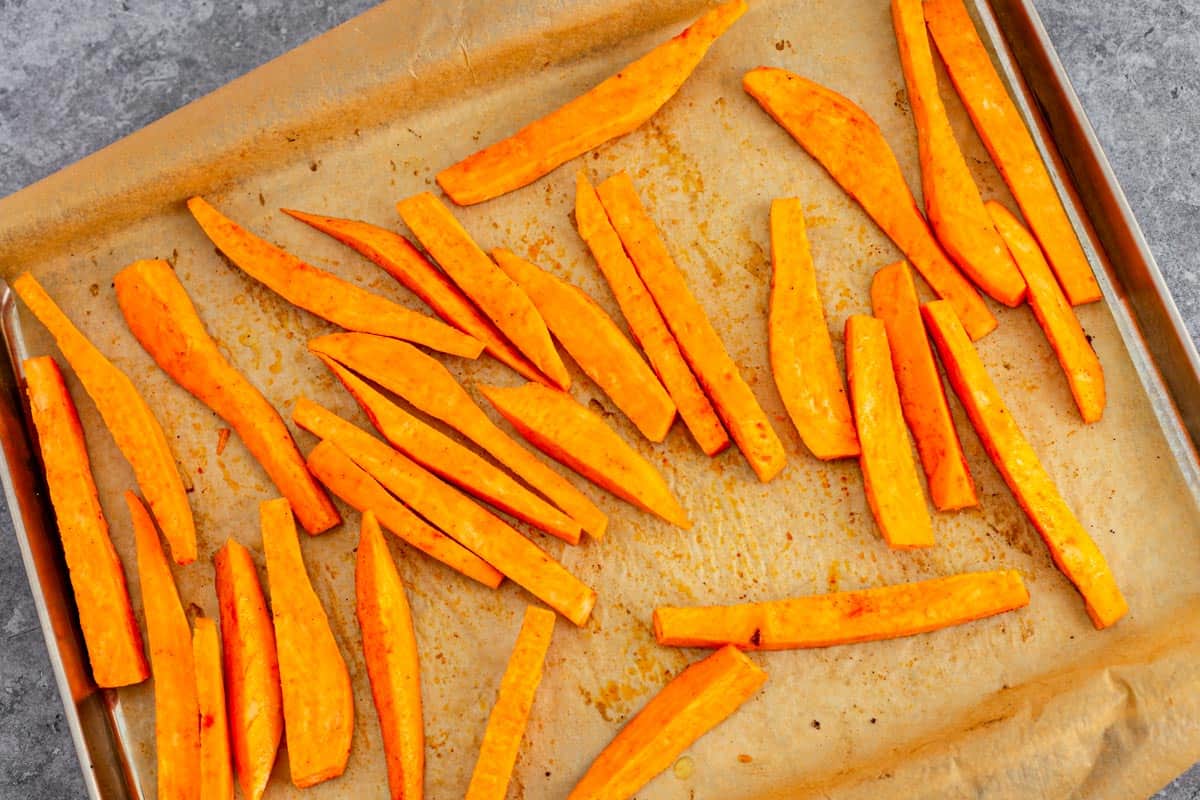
76, 76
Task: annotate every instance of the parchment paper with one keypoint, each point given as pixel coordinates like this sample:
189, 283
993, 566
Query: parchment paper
1031, 704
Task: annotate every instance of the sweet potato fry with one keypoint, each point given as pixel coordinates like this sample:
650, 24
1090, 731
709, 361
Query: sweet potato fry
110, 631
1073, 551
390, 650
802, 358
430, 387
216, 769
510, 715
922, 396
645, 321
318, 700
692, 704
698, 340
161, 315
850, 146
323, 293
497, 296
1003, 132
889, 474
136, 430
596, 344
885, 612
613, 108
1084, 374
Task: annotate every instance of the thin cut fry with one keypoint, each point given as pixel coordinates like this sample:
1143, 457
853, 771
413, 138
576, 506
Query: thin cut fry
216, 769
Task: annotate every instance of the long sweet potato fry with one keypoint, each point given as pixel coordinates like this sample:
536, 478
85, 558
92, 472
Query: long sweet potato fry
136, 430
850, 146
802, 359
506, 724
216, 768
698, 340
692, 704
885, 612
1073, 551
1003, 132
613, 108
323, 293
110, 631
161, 315
889, 474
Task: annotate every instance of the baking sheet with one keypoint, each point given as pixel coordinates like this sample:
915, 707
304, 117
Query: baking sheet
1030, 703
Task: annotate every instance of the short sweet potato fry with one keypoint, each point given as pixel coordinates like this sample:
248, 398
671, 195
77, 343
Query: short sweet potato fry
216, 768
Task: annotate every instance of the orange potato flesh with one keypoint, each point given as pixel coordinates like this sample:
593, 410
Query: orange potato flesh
216, 769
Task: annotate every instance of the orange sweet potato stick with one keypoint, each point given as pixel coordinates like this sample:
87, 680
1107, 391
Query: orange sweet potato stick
1084, 374
885, 612
645, 321
577, 437
850, 146
323, 293
318, 700
698, 340
613, 108
922, 396
692, 704
510, 714
889, 474
216, 768
110, 631
1073, 551
390, 650
802, 358
161, 315
1003, 132
136, 430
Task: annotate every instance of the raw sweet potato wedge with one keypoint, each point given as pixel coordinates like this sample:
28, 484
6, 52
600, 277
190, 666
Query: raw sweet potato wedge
613, 108
1003, 132
323, 293
692, 704
161, 315
216, 768
802, 359
574, 435
850, 146
885, 612
922, 396
698, 340
136, 430
889, 474
1073, 551
110, 630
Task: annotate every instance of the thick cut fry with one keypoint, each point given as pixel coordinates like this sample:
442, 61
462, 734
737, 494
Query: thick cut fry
430, 387
1073, 551
133, 425
889, 474
390, 650
324, 294
850, 146
596, 344
613, 108
1003, 132
698, 340
575, 436
502, 300
922, 396
176, 706
802, 358
161, 315
318, 700
1084, 374
692, 704
216, 769
885, 612
110, 631
645, 321
952, 199
510, 715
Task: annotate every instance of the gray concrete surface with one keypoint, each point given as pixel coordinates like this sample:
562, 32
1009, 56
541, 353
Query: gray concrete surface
74, 77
